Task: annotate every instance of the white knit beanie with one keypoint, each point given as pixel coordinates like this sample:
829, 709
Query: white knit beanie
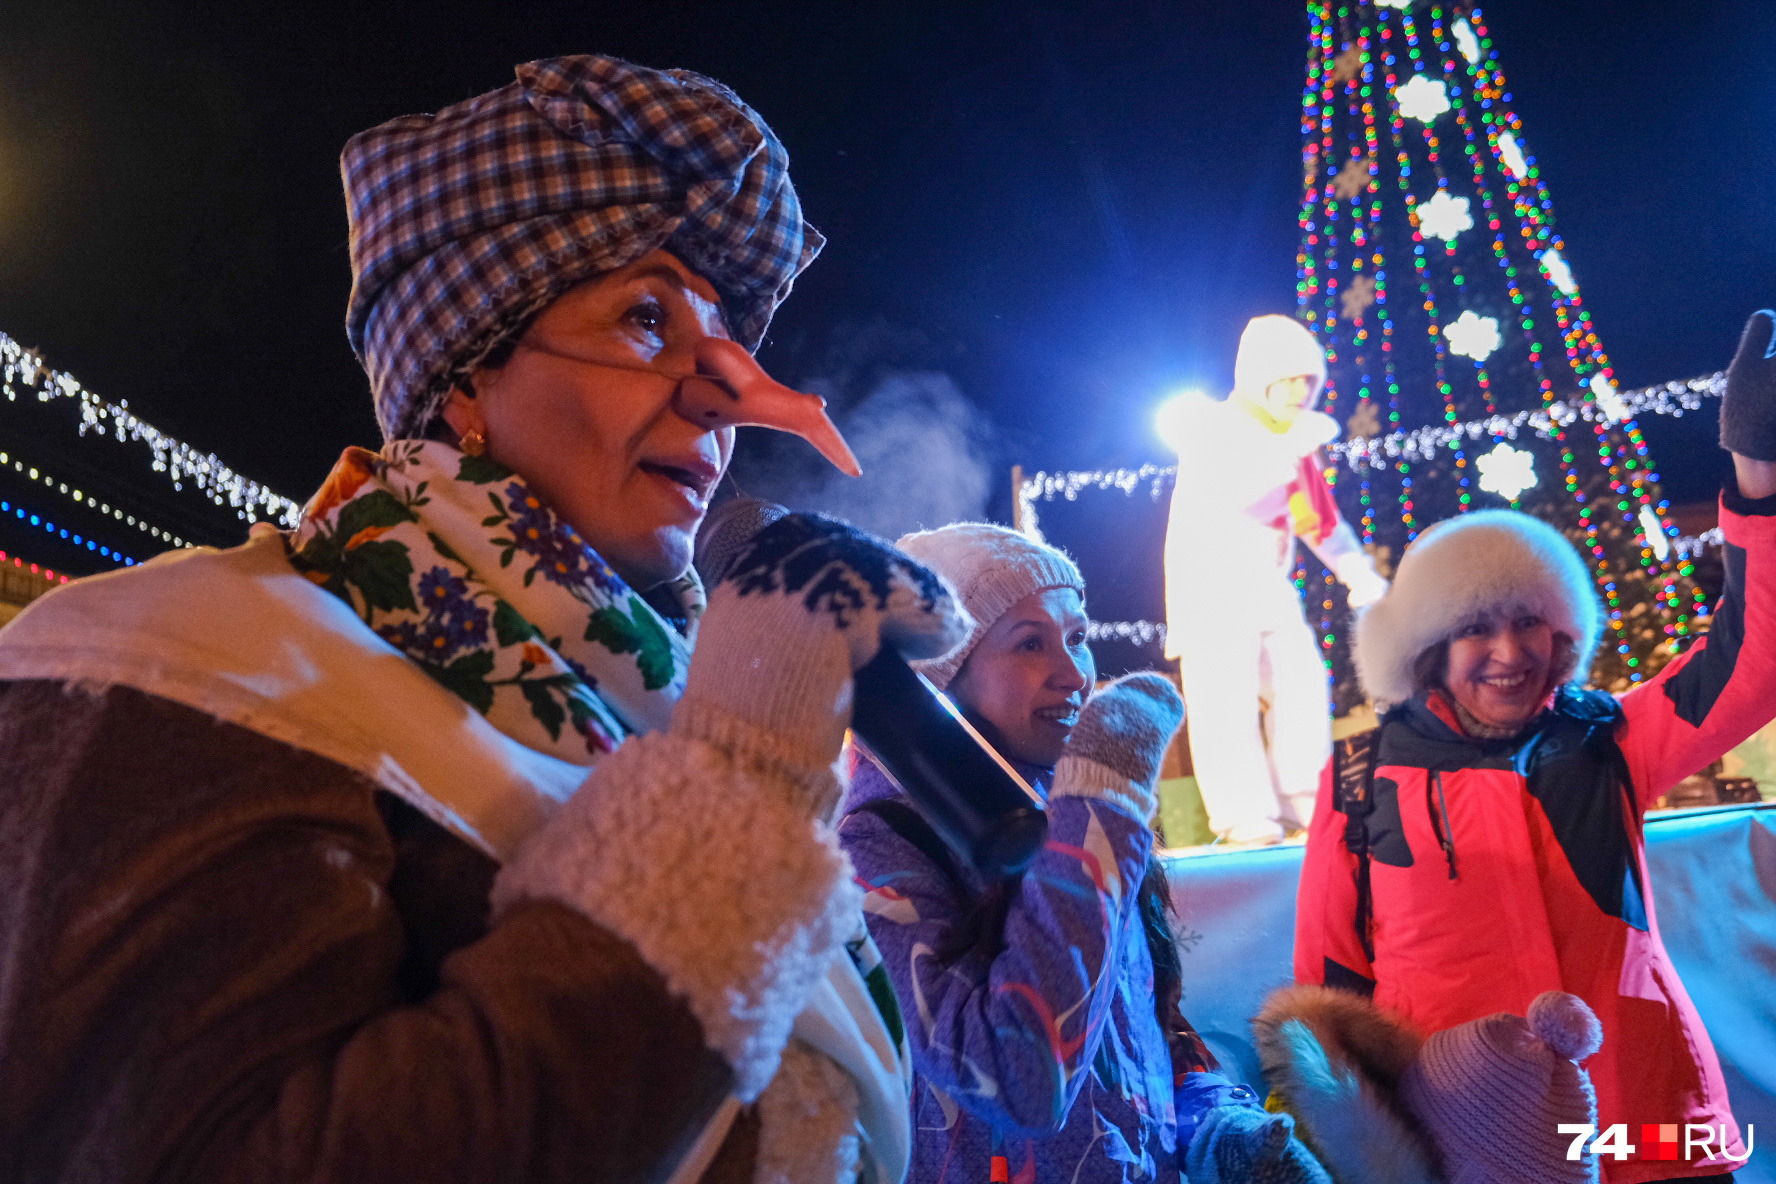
1487, 563
991, 568
1273, 348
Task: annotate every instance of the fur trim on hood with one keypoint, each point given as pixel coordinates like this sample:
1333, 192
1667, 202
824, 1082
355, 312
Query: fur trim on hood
1335, 1061
1462, 569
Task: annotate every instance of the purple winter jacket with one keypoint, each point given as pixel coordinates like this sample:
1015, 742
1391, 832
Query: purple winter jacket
1035, 1039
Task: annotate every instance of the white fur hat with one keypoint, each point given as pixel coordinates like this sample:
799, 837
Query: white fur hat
1465, 568
1273, 348
991, 568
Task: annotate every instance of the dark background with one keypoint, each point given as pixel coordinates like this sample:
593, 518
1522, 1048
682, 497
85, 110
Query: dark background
1051, 214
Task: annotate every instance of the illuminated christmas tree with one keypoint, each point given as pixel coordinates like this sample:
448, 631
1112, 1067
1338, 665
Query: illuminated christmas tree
1431, 271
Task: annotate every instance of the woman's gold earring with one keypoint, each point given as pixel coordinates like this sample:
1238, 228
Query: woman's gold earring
474, 443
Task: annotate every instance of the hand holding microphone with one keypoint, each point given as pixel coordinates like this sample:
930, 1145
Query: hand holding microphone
765, 657
798, 603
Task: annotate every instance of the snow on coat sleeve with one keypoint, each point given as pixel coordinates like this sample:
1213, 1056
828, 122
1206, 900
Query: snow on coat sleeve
1723, 689
1006, 1024
1326, 947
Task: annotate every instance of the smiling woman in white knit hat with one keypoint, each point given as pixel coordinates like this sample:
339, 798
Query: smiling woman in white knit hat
1042, 1013
1484, 845
419, 844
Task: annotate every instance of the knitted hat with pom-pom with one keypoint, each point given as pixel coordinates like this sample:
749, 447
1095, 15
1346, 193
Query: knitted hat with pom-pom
1493, 1093
992, 568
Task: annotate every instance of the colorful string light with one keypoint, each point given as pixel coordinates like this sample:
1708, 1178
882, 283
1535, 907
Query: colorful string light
1429, 74
35, 569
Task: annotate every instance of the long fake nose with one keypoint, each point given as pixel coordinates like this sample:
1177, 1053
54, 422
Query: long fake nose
731, 390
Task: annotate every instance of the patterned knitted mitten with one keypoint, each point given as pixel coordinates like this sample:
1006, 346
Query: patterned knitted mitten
1748, 409
806, 603
1116, 748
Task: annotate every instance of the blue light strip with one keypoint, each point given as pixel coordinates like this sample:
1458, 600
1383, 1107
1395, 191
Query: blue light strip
92, 503
25, 516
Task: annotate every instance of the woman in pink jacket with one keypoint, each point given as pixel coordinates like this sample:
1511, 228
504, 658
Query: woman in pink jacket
1484, 844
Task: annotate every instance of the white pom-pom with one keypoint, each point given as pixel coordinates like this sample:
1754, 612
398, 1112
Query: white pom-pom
1566, 1024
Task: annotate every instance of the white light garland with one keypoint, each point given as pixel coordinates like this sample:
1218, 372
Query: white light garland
1383, 452
1473, 336
1134, 632
1048, 486
1380, 452
1690, 546
1444, 216
22, 370
1423, 98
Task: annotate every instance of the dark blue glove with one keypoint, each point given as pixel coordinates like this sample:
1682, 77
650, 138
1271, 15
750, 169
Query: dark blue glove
1748, 409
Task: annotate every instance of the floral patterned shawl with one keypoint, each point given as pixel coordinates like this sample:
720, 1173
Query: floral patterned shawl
453, 560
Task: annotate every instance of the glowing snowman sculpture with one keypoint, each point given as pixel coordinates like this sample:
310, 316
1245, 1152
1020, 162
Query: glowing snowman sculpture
1251, 482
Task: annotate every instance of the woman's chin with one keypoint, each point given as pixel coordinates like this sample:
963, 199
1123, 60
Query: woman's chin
658, 557
1507, 712
1041, 745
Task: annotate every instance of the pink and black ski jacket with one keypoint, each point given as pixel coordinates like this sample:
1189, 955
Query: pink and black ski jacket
1499, 869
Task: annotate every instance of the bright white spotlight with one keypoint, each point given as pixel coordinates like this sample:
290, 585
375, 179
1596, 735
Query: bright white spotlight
1173, 420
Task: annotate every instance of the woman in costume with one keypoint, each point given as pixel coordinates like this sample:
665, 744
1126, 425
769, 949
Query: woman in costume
415, 844
1484, 844
1042, 1012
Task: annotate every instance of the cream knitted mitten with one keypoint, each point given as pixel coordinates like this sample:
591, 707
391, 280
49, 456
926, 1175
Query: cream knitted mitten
1748, 409
1116, 749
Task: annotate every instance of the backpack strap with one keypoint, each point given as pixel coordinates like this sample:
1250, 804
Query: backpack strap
1353, 795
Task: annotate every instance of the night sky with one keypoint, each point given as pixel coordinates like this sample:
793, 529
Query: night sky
1068, 209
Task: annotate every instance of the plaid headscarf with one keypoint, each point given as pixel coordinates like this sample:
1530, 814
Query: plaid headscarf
466, 223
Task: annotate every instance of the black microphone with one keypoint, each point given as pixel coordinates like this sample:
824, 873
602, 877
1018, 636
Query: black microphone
975, 801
